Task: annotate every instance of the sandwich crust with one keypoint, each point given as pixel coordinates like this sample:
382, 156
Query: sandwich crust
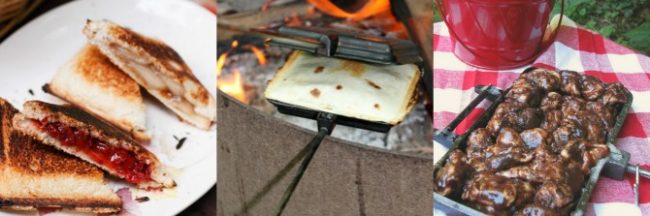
157, 67
73, 117
91, 82
78, 205
35, 175
27, 156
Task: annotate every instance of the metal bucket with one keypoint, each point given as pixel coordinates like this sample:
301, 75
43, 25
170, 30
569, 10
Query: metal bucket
498, 34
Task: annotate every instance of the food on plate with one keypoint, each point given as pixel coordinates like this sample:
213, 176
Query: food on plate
33, 175
377, 93
157, 68
537, 148
91, 82
93, 140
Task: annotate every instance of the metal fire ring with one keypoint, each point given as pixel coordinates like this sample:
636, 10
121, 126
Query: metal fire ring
343, 178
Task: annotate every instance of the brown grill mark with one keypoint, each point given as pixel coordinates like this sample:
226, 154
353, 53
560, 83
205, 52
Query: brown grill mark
339, 87
151, 46
84, 117
357, 69
319, 69
374, 85
201, 95
31, 157
413, 99
165, 55
315, 92
166, 93
376, 106
94, 67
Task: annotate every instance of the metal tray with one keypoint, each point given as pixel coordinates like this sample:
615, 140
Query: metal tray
341, 120
452, 207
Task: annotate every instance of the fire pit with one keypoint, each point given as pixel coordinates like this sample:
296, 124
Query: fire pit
355, 170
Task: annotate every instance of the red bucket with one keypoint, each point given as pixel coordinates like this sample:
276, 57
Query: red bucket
498, 34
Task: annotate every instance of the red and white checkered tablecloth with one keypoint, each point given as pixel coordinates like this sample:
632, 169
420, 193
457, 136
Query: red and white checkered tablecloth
578, 49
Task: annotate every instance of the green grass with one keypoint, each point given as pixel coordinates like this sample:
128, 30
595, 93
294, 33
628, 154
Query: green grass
625, 22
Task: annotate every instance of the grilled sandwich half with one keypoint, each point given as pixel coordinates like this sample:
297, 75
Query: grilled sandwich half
33, 175
93, 140
90, 81
157, 68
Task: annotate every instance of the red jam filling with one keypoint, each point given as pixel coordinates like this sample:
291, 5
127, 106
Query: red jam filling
120, 160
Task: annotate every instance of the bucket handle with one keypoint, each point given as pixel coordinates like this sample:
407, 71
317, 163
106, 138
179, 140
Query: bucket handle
545, 44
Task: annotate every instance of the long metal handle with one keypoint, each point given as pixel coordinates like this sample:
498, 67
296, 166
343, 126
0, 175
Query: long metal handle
313, 146
325, 126
637, 171
636, 185
642, 172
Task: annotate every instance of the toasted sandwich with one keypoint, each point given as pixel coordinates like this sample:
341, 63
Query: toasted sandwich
91, 82
377, 93
33, 175
157, 68
80, 134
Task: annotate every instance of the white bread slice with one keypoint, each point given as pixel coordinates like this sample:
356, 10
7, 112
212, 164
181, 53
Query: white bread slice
34, 111
157, 68
33, 175
90, 81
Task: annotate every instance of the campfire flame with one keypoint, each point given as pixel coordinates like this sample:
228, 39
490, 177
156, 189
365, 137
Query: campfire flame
259, 54
378, 12
375, 11
372, 7
232, 83
293, 21
233, 86
221, 61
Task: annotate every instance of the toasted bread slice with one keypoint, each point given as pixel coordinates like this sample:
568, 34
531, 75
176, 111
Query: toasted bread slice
91, 139
34, 175
157, 68
91, 82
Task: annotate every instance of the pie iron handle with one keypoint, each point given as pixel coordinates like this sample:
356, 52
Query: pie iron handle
326, 123
446, 136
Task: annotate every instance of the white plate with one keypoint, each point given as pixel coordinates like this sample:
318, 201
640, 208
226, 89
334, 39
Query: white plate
31, 56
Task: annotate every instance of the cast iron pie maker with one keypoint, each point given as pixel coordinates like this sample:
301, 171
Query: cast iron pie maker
614, 166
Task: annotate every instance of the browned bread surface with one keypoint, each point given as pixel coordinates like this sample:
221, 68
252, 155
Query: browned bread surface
93, 83
31, 157
74, 117
77, 117
157, 68
98, 69
34, 175
166, 57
